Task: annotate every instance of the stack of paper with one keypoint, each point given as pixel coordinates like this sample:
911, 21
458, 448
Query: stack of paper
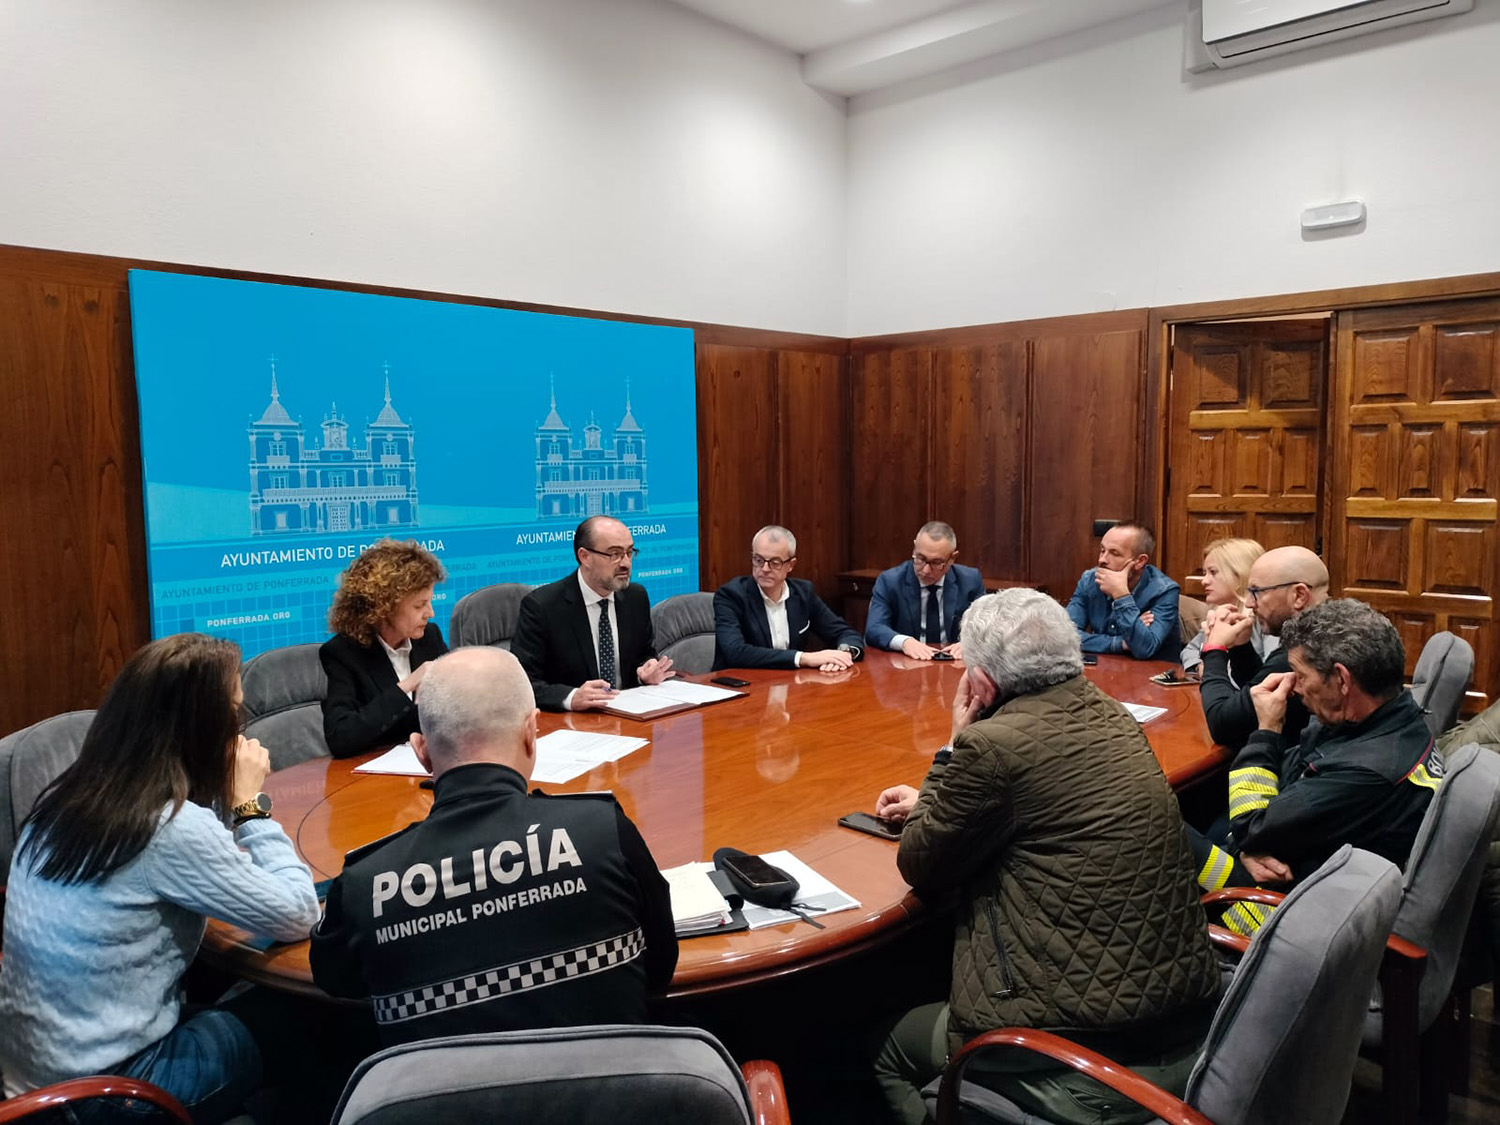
697, 904
560, 756
565, 754
673, 693
1142, 713
400, 760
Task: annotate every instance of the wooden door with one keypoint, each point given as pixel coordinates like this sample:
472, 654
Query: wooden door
1246, 419
1416, 471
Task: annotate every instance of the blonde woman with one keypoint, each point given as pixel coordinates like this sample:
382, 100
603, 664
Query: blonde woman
1226, 571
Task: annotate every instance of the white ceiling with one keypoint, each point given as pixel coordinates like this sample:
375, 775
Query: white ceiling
810, 25
854, 46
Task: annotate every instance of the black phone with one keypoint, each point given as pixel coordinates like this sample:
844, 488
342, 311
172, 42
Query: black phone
1091, 658
944, 655
753, 871
1170, 678
730, 681
871, 824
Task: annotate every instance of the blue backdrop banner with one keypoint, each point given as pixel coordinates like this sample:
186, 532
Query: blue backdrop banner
285, 429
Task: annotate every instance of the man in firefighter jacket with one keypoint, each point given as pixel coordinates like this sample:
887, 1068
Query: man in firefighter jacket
502, 909
1362, 773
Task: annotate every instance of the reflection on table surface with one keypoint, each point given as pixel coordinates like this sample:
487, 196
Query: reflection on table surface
774, 769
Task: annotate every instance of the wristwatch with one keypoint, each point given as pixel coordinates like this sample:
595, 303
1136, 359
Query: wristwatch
257, 807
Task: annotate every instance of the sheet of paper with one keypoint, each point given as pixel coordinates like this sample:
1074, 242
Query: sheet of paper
565, 754
1143, 714
400, 759
689, 692
815, 894
696, 902
673, 693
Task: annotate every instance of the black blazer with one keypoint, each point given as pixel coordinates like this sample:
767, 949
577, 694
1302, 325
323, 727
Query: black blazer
364, 708
554, 644
742, 631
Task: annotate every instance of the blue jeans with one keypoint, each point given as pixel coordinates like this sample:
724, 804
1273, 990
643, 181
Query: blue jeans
208, 1062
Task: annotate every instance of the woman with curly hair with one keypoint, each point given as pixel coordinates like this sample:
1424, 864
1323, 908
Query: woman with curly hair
383, 638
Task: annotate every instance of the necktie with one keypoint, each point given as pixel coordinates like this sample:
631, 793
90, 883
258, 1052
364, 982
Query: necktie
606, 646
934, 622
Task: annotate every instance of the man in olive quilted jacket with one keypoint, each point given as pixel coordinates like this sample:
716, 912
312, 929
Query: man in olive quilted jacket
1048, 821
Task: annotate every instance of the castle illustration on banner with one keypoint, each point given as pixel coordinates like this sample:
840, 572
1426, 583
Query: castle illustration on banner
592, 479
297, 488
301, 487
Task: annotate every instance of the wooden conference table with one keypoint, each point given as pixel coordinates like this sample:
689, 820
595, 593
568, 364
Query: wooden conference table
774, 770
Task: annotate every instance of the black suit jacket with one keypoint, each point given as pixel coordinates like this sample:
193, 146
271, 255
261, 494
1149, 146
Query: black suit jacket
554, 644
364, 708
742, 631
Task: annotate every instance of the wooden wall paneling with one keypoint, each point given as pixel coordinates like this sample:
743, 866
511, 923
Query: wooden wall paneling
739, 484
813, 452
979, 453
74, 555
1415, 478
890, 423
1086, 427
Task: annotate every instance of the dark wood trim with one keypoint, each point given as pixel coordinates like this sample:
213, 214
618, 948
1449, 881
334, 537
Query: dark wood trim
1325, 300
968, 335
69, 267
1158, 404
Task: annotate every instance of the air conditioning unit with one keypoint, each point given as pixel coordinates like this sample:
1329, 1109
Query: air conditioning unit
1235, 32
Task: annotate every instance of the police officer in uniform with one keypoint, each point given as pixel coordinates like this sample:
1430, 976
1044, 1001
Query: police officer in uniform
502, 909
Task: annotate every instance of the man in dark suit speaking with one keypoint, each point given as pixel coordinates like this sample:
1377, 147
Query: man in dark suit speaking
767, 619
916, 607
584, 637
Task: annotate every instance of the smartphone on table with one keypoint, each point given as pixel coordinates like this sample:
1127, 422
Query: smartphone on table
871, 824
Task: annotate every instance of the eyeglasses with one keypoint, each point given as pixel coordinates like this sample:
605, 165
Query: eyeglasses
922, 562
1256, 591
617, 554
760, 561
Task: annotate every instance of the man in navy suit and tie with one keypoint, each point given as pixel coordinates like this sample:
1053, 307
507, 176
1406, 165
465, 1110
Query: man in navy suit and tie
916, 607
767, 619
584, 637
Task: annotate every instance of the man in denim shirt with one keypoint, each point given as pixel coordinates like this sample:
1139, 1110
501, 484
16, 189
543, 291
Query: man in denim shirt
1125, 604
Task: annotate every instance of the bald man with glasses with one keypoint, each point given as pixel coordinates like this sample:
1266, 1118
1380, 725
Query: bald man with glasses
1283, 582
584, 637
767, 619
916, 607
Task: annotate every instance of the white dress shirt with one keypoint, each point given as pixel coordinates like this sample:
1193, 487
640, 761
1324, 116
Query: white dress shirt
400, 658
592, 602
937, 588
781, 634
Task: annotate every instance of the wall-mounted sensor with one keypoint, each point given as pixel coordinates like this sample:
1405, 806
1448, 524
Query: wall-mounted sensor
1333, 215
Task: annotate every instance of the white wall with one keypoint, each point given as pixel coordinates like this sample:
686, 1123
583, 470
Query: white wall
1092, 174
608, 154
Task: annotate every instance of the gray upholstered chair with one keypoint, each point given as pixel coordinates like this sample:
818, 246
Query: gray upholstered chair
1441, 678
609, 1075
1438, 892
1283, 1043
29, 760
284, 690
684, 627
487, 616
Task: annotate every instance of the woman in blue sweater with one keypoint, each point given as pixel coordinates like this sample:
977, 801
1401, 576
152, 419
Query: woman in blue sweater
159, 824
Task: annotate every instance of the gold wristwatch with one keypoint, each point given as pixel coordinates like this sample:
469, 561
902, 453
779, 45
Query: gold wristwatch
257, 807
